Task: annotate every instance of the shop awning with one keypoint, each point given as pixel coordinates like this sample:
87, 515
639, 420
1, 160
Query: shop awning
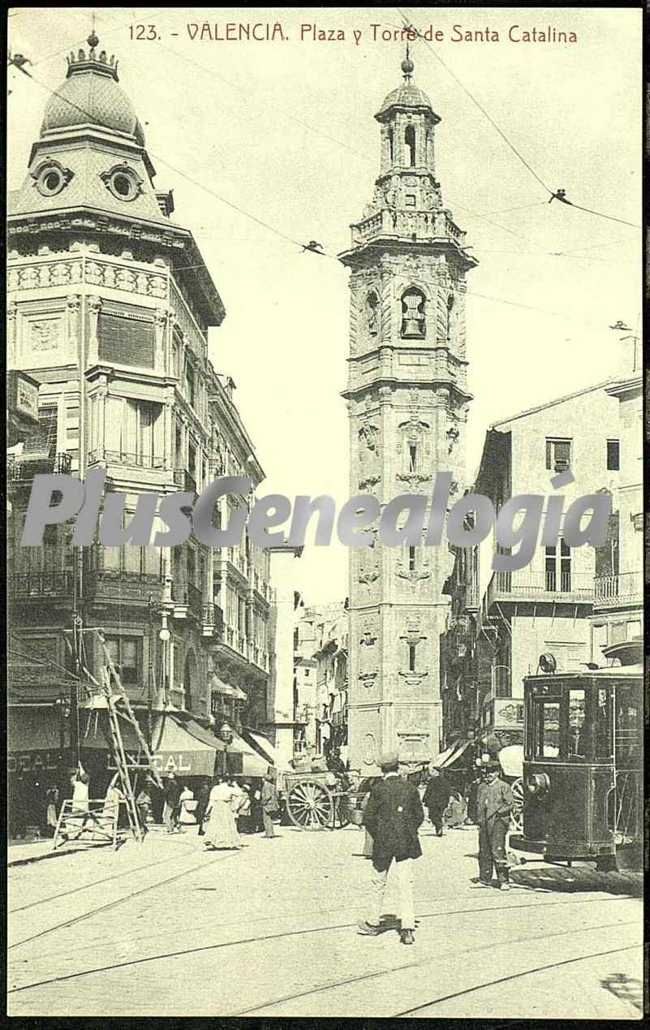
183, 747
226, 689
457, 753
265, 748
444, 755
252, 763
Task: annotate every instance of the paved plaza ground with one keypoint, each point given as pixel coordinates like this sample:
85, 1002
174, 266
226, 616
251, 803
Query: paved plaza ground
168, 929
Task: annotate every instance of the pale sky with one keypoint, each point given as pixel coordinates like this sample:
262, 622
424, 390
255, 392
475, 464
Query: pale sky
285, 131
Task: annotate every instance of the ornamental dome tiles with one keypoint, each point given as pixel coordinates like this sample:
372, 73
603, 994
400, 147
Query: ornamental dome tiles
91, 95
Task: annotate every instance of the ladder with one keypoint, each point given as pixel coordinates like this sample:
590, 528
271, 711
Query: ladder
119, 708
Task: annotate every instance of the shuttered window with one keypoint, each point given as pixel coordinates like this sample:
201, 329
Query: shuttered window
125, 341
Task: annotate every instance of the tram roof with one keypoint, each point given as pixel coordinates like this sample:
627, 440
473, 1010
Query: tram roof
610, 671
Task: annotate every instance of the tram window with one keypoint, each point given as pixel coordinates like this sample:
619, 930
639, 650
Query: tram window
602, 724
547, 729
578, 731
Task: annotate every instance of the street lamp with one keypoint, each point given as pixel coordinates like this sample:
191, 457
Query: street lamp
226, 735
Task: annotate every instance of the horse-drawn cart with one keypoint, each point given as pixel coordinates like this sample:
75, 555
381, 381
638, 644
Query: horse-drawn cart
319, 800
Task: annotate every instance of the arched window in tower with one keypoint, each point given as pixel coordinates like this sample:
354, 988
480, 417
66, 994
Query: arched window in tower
450, 316
390, 143
413, 314
372, 313
409, 139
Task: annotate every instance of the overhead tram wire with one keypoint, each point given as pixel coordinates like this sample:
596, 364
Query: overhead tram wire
556, 194
191, 179
333, 139
266, 225
409, 25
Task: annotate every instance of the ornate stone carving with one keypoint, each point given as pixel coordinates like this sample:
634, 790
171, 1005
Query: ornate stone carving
421, 571
73, 306
368, 573
44, 336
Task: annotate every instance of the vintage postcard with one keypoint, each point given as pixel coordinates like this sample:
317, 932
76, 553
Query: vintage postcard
325, 512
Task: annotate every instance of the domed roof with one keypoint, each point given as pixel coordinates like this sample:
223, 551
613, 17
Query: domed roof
91, 95
406, 95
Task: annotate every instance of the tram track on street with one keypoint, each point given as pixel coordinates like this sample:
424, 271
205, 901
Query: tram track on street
117, 901
376, 974
129, 963
88, 886
513, 976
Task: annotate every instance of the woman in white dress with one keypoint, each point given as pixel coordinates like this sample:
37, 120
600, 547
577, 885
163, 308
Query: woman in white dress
188, 808
221, 830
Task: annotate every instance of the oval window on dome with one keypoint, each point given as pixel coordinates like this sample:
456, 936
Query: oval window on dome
123, 182
50, 178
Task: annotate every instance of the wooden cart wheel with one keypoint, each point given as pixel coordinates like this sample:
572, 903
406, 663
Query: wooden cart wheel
517, 814
310, 805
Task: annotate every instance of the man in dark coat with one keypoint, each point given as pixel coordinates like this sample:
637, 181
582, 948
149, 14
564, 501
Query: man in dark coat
436, 799
494, 804
392, 817
172, 793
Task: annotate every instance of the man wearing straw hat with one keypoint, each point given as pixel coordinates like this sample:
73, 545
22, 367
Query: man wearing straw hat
392, 817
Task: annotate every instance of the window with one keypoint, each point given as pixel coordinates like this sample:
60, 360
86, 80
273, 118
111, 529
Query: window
607, 556
124, 340
558, 454
410, 199
123, 182
413, 457
578, 744
190, 384
546, 729
125, 655
558, 568
409, 139
51, 177
411, 559
413, 314
134, 432
613, 455
411, 655
390, 143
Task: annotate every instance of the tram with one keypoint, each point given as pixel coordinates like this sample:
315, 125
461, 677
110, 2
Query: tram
582, 771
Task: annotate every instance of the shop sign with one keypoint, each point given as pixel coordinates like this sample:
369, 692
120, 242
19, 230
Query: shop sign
33, 761
508, 714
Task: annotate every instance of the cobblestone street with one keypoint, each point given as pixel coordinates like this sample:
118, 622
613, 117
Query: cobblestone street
165, 928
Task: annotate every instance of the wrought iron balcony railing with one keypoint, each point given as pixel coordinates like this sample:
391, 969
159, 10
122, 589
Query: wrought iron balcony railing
23, 468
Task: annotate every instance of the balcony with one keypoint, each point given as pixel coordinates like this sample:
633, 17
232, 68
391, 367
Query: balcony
423, 224
620, 591
212, 621
37, 585
535, 587
127, 458
22, 469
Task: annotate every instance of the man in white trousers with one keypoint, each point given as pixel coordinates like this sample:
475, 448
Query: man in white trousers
392, 817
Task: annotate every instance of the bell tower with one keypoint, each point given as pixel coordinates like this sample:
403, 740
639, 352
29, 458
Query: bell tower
407, 402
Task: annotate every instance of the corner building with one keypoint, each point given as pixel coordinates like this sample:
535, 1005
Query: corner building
110, 304
408, 404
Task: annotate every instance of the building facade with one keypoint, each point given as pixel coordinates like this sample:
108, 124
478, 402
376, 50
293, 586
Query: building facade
501, 622
321, 680
408, 403
110, 304
619, 587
